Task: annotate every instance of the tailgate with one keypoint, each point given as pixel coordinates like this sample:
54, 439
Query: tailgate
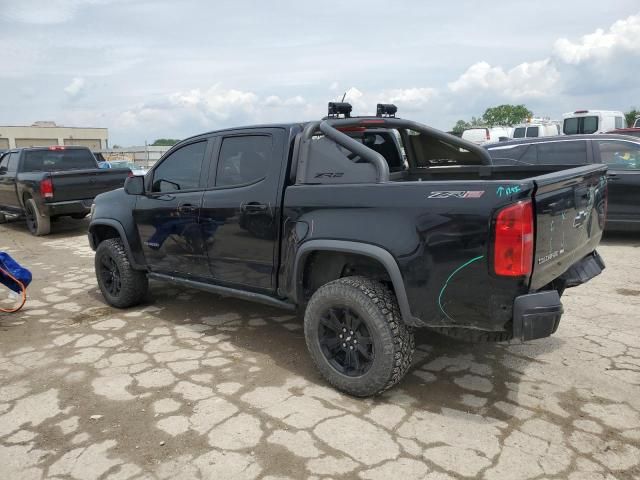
570, 208
86, 184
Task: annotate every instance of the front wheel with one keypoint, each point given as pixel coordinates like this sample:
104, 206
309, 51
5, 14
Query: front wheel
120, 284
356, 336
37, 224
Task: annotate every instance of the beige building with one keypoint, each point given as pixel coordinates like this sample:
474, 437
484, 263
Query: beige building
43, 134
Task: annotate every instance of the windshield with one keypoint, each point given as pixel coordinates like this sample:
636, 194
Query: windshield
58, 160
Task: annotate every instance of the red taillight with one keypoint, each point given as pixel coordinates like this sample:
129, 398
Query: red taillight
46, 188
513, 245
486, 132
56, 147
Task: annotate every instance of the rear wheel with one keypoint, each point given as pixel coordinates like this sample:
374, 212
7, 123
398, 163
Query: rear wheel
120, 284
356, 336
37, 224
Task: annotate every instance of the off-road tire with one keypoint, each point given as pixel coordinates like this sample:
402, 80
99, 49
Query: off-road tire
377, 307
133, 283
38, 225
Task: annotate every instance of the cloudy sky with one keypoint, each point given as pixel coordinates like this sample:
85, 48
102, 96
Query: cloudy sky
148, 69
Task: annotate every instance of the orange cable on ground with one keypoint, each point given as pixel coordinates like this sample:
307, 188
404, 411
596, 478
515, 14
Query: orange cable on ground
22, 287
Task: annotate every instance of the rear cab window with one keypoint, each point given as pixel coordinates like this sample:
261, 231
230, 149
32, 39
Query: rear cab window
58, 159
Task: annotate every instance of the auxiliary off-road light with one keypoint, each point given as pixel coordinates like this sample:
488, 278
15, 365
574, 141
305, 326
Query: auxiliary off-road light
386, 110
340, 108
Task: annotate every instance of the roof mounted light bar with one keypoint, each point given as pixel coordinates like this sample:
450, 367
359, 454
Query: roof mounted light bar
386, 110
339, 108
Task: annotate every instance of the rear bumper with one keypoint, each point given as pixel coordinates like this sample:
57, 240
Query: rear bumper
536, 315
67, 208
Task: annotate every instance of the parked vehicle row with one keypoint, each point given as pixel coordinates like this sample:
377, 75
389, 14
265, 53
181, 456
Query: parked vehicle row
619, 152
574, 123
372, 226
43, 183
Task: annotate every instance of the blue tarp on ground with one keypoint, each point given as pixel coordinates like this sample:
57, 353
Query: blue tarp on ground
8, 264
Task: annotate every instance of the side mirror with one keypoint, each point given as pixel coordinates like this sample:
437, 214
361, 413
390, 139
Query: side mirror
134, 185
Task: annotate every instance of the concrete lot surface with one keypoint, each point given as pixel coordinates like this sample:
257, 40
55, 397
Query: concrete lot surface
195, 386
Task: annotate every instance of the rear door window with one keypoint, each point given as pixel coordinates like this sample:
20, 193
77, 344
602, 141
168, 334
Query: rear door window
567, 152
243, 160
519, 132
533, 132
620, 155
578, 125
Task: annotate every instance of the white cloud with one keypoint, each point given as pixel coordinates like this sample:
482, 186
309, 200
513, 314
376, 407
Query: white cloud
529, 79
409, 98
622, 36
75, 88
276, 101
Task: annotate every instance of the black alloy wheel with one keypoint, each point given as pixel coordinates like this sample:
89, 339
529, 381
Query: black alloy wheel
345, 341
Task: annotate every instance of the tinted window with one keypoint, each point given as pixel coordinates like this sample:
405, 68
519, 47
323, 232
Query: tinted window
519, 132
624, 155
243, 160
58, 160
589, 124
619, 123
533, 132
13, 162
519, 155
573, 126
181, 169
562, 153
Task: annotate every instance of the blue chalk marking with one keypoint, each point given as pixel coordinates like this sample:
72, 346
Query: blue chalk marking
444, 287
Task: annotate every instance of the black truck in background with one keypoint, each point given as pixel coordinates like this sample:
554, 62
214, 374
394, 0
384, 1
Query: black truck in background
371, 226
43, 183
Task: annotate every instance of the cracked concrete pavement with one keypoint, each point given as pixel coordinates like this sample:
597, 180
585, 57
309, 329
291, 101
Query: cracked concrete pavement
193, 385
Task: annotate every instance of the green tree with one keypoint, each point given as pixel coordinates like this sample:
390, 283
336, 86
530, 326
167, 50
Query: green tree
165, 142
506, 115
631, 116
460, 126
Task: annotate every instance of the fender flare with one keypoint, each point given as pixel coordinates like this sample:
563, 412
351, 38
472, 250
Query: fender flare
117, 226
372, 251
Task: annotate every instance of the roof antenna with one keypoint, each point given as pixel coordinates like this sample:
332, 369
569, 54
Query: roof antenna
345, 94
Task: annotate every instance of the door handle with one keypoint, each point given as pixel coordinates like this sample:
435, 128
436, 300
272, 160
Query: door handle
253, 207
187, 208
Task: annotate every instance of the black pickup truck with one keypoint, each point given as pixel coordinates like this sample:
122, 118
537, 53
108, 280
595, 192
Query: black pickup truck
43, 183
371, 226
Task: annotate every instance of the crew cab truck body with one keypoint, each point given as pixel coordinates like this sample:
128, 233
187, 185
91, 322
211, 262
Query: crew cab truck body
49, 182
314, 217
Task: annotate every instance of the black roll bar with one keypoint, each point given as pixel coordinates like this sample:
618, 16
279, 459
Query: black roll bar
329, 128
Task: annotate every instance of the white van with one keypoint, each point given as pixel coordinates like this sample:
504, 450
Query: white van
592, 121
484, 135
534, 130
